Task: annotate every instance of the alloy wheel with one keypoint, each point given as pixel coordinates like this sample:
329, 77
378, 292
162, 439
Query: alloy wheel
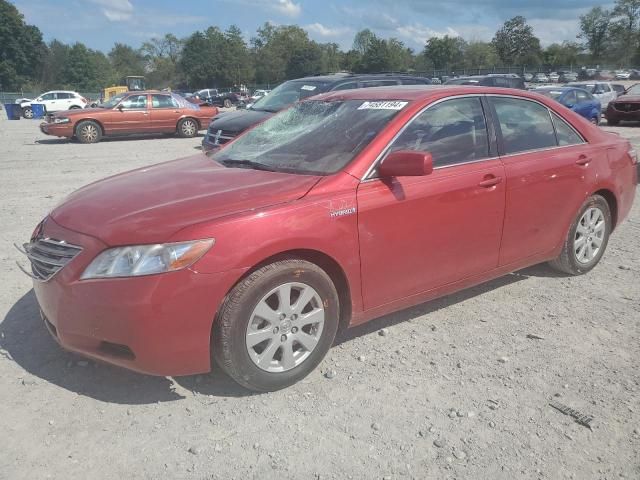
590, 234
89, 133
28, 113
285, 327
189, 128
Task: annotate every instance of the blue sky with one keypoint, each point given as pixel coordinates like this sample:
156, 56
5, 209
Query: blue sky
101, 23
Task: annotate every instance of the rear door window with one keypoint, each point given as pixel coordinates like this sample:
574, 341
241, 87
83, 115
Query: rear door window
525, 125
163, 101
347, 86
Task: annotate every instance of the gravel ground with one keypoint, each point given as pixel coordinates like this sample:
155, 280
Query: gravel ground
455, 388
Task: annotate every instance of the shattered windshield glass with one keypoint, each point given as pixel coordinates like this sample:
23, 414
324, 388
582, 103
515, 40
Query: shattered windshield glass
313, 137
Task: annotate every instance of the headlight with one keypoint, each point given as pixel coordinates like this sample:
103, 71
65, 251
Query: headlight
61, 120
141, 260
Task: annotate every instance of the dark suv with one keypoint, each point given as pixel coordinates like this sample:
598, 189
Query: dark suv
227, 125
508, 80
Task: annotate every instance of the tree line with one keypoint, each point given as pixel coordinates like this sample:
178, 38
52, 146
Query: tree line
220, 58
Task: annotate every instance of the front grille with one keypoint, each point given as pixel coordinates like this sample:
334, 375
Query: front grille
627, 107
220, 137
48, 256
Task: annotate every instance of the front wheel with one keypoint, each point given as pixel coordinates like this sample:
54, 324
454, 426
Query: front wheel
227, 103
587, 238
187, 128
88, 132
27, 112
595, 120
276, 325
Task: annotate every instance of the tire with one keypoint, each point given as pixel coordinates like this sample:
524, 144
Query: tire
262, 365
187, 128
74, 107
88, 131
27, 112
227, 103
574, 259
595, 121
612, 122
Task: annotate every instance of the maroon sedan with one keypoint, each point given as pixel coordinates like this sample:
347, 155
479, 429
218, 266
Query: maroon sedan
343, 208
131, 113
625, 107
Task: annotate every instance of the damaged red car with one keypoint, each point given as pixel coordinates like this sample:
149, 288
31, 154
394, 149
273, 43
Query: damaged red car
131, 113
345, 207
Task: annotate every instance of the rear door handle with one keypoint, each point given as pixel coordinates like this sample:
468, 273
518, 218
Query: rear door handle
583, 160
490, 182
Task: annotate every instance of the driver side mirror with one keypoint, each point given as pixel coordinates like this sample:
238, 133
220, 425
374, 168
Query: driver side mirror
120, 107
406, 163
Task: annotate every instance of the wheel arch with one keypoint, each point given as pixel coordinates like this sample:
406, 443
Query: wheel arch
611, 199
324, 261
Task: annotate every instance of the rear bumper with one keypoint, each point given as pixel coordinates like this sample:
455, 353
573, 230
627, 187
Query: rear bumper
158, 325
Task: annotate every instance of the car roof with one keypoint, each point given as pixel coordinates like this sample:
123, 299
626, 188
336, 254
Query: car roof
419, 92
338, 77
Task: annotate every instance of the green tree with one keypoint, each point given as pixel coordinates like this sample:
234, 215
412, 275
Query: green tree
561, 54
594, 28
480, 55
202, 59
237, 58
86, 69
446, 52
53, 64
516, 44
126, 61
625, 31
21, 48
161, 56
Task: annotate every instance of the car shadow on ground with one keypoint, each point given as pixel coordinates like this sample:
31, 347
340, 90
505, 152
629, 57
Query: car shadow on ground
124, 138
25, 340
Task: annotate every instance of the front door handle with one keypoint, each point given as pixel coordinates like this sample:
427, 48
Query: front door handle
583, 160
490, 182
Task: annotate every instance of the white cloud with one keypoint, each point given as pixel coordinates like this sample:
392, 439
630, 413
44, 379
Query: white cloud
555, 31
324, 31
115, 10
288, 8
419, 34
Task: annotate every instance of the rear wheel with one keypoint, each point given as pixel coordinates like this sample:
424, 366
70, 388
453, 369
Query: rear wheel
276, 325
187, 127
587, 238
74, 107
227, 103
88, 132
27, 112
595, 120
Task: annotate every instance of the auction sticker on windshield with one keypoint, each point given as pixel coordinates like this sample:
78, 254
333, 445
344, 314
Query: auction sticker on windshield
382, 105
308, 87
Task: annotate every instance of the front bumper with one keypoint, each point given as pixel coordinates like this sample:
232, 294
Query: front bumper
57, 129
614, 114
158, 324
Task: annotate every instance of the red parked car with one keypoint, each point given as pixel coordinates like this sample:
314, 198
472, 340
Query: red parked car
131, 113
344, 207
625, 107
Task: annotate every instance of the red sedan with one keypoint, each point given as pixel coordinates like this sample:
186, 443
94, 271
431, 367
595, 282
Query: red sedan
343, 208
131, 113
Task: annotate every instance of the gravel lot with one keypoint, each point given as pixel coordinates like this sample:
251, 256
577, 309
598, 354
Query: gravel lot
455, 388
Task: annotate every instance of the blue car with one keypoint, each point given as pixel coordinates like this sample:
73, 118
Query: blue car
577, 99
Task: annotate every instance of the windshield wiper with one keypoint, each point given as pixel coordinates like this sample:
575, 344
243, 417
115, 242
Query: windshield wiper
247, 164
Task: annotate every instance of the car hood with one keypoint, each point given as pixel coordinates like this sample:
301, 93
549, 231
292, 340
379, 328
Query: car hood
151, 204
78, 112
628, 99
239, 120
